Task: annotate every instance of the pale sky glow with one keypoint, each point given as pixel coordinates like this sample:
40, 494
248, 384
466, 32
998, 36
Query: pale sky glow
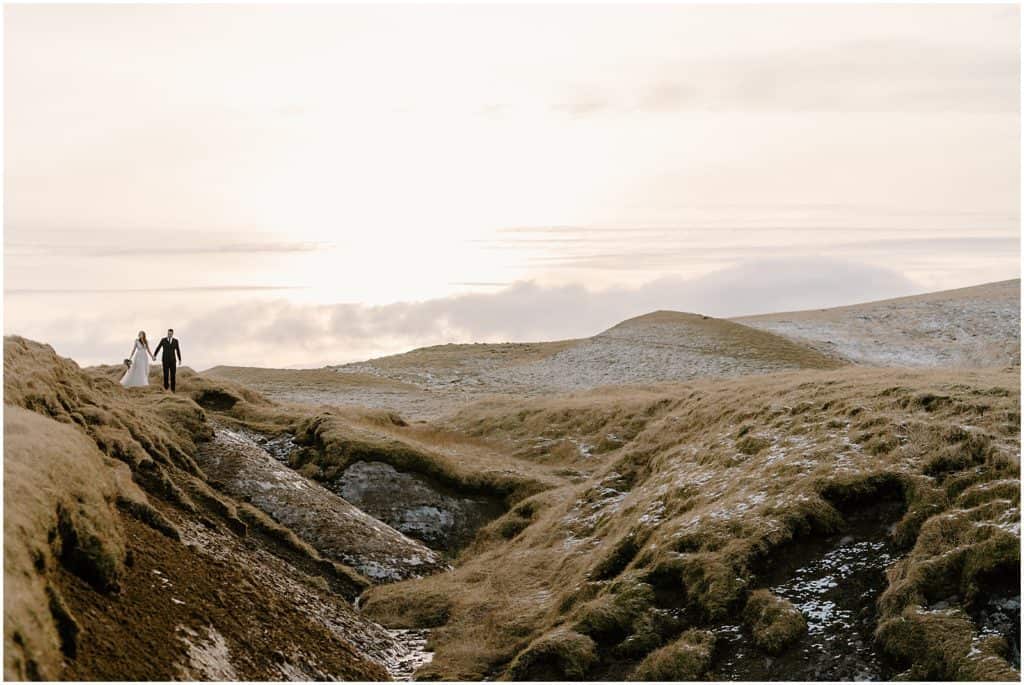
371, 155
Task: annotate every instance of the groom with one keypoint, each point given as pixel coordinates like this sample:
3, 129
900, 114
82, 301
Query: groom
171, 348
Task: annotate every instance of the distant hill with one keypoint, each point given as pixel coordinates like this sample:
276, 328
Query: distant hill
662, 346
971, 327
968, 327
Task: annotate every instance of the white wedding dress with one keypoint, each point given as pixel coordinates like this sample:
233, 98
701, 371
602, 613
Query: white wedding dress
137, 374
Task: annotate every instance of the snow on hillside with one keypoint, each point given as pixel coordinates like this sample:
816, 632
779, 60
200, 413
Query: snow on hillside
972, 327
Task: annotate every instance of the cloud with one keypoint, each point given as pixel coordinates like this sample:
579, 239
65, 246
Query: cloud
583, 105
870, 75
120, 291
21, 249
280, 333
669, 96
527, 311
632, 249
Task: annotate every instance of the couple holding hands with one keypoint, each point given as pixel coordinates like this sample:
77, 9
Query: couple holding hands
137, 374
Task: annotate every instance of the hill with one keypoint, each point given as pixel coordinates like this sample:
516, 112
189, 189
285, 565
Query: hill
852, 523
975, 327
140, 540
661, 346
968, 327
678, 497
433, 381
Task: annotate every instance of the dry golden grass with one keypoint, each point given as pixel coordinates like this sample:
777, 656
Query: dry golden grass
774, 622
455, 356
333, 439
687, 658
695, 487
626, 501
67, 535
300, 380
725, 338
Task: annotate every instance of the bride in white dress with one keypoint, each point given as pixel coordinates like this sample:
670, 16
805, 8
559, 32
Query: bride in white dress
137, 374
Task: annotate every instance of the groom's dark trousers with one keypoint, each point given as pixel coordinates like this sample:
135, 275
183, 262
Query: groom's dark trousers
170, 349
169, 370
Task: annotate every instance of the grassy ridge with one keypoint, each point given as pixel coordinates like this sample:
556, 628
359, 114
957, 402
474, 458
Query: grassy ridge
688, 491
103, 494
639, 517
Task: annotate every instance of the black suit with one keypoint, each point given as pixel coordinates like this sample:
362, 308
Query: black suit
170, 348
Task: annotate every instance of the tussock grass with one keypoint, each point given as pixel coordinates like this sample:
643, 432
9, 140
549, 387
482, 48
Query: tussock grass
680, 510
625, 502
558, 655
685, 659
334, 439
774, 622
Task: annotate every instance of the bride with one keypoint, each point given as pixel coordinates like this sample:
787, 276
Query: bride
137, 374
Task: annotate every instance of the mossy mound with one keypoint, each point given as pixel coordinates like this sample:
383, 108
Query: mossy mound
688, 658
61, 499
559, 655
774, 622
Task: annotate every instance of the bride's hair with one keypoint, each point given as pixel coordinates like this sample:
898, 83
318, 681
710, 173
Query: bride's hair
142, 338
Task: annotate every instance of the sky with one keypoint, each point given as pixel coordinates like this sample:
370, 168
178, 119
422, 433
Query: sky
309, 185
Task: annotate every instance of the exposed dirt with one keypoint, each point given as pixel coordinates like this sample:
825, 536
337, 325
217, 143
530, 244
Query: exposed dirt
184, 615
